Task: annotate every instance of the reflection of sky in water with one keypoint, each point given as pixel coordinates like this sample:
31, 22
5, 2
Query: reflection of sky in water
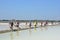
52, 33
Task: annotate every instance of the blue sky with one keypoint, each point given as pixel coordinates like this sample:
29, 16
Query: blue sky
30, 9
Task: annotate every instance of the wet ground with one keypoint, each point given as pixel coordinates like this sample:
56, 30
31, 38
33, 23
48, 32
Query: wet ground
45, 33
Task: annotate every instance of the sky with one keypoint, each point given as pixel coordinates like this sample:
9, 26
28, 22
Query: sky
30, 9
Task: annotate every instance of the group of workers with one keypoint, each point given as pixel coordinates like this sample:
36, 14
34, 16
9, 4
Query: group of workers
17, 24
44, 23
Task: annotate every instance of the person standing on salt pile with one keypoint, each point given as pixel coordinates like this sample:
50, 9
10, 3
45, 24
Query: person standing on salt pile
11, 25
35, 25
41, 24
17, 25
26, 24
46, 23
30, 25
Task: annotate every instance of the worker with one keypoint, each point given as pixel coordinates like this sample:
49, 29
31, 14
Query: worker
11, 25
41, 24
17, 25
46, 23
30, 25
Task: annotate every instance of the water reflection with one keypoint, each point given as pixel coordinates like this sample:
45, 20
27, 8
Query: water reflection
31, 34
35, 28
17, 32
11, 35
43, 28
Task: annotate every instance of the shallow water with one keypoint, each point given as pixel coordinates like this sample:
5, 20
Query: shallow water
49, 33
